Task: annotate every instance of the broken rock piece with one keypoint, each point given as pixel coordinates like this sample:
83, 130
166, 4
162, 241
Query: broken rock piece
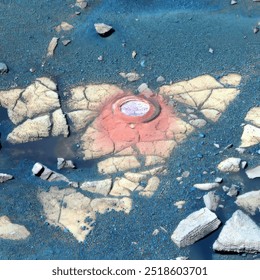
47, 174
230, 165
253, 172
249, 201
52, 46
5, 177
101, 187
103, 29
11, 231
194, 227
62, 163
239, 234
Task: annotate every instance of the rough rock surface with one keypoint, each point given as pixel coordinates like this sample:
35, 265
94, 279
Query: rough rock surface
230, 165
194, 227
5, 177
211, 200
206, 186
251, 131
249, 201
239, 234
62, 163
45, 173
253, 173
11, 231
101, 187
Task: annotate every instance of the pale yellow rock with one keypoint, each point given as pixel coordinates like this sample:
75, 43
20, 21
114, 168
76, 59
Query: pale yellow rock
101, 187
204, 82
52, 46
68, 209
211, 114
179, 204
37, 99
152, 184
199, 123
126, 152
59, 124
81, 118
135, 177
229, 165
220, 99
115, 164
8, 98
123, 187
231, 79
104, 205
64, 26
155, 171
77, 100
250, 136
146, 193
199, 97
152, 160
253, 116
11, 231
31, 130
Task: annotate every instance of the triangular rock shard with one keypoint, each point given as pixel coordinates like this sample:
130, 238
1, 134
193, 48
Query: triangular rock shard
196, 226
239, 234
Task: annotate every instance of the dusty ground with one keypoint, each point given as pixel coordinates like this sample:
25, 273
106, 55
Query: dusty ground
179, 40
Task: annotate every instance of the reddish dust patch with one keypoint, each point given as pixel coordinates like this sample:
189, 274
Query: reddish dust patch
114, 126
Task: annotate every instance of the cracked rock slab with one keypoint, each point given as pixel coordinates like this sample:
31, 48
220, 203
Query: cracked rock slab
239, 234
196, 226
11, 231
102, 187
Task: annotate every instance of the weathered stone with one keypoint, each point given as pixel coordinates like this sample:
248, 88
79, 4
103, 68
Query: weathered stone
239, 234
45, 173
81, 118
69, 210
231, 79
31, 130
152, 160
59, 124
253, 172
179, 204
135, 177
211, 200
131, 76
81, 4
103, 28
249, 201
123, 187
230, 165
11, 231
64, 26
233, 191
62, 163
206, 186
194, 227
250, 136
3, 68
116, 164
253, 116
101, 187
5, 177
104, 205
198, 123
152, 185
52, 46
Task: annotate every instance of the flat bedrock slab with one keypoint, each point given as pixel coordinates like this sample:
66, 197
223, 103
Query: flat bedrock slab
11, 231
196, 226
239, 234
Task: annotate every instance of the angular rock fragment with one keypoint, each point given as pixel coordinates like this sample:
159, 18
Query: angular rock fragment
239, 234
101, 187
103, 29
250, 201
5, 177
206, 186
253, 172
52, 46
250, 136
64, 26
231, 79
196, 226
152, 185
11, 231
3, 68
123, 187
81, 4
47, 174
59, 124
230, 165
62, 163
211, 200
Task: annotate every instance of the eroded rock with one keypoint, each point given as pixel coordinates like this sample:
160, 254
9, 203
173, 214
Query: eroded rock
194, 227
250, 201
62, 163
11, 231
239, 234
206, 186
52, 46
211, 200
101, 187
230, 165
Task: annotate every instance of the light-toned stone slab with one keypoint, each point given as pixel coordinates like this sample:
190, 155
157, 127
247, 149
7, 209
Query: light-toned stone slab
239, 234
194, 227
250, 136
249, 201
101, 187
11, 231
253, 172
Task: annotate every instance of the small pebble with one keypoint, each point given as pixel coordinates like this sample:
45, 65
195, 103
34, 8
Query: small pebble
66, 42
160, 79
202, 135
225, 188
216, 145
243, 164
199, 155
219, 180
211, 50
100, 58
3, 68
256, 29
233, 2
134, 54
